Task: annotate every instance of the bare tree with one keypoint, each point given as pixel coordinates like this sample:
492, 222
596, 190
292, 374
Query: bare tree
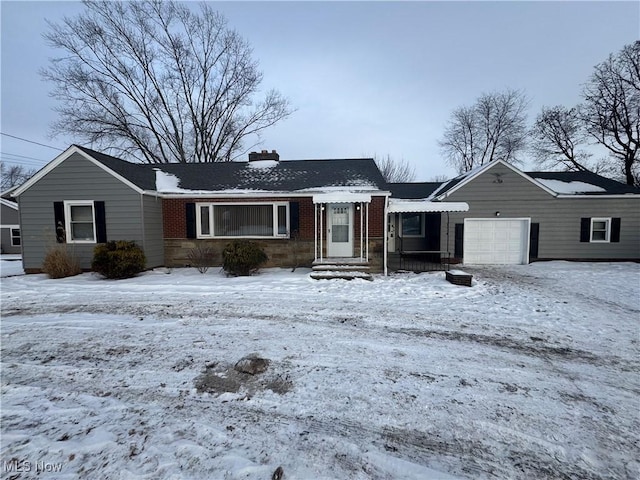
395, 171
156, 80
611, 108
558, 138
493, 128
13, 175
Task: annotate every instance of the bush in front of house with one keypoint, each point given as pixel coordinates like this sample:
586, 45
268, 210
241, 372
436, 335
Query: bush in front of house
118, 259
201, 257
242, 257
59, 262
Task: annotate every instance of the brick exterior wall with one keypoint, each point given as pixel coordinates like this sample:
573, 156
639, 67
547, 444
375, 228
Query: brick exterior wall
281, 252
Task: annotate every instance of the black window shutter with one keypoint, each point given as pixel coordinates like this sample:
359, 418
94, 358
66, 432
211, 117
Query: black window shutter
458, 246
294, 218
58, 215
101, 222
191, 220
585, 229
534, 236
615, 230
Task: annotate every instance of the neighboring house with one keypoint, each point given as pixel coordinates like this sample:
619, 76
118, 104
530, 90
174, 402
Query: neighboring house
305, 212
515, 217
10, 238
299, 211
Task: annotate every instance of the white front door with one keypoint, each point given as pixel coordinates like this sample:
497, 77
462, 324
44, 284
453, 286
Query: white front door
340, 230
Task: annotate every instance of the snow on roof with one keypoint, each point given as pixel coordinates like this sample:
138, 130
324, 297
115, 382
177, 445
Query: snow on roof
341, 196
559, 186
414, 206
263, 163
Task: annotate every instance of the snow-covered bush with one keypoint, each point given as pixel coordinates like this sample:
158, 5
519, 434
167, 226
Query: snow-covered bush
242, 257
59, 262
118, 259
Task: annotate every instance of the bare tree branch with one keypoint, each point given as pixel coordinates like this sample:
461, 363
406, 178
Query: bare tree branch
156, 80
395, 171
611, 108
556, 139
493, 128
13, 175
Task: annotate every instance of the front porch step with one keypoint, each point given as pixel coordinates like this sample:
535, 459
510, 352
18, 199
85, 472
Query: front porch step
344, 271
342, 267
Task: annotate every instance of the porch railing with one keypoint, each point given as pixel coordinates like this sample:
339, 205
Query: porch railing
419, 261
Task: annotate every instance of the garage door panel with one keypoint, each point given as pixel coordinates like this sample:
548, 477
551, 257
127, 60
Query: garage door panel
496, 241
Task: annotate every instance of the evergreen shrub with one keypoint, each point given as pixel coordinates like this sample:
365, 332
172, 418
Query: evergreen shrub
118, 259
242, 257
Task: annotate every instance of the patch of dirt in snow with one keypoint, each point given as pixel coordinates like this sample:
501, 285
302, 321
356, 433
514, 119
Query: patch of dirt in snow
220, 378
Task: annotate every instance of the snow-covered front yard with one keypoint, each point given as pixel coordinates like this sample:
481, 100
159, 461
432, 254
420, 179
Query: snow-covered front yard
531, 373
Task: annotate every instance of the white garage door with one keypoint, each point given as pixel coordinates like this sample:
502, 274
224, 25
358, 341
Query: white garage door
496, 241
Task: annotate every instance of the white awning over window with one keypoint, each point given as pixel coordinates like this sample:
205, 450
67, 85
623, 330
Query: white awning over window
414, 206
342, 197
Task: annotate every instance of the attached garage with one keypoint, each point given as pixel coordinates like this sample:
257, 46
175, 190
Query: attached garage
496, 241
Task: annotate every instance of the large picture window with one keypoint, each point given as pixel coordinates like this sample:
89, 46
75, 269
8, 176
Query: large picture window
80, 222
242, 220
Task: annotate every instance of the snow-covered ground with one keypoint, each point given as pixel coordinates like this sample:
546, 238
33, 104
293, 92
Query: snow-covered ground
531, 373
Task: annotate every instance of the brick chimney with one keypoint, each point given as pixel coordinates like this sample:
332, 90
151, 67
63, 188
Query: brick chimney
264, 155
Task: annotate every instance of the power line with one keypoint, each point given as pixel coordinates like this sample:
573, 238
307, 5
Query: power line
31, 141
22, 156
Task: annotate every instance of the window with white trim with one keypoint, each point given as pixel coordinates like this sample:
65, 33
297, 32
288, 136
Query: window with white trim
413, 225
600, 230
235, 220
15, 237
80, 221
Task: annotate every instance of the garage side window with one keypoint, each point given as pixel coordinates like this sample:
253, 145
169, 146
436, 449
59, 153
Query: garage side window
15, 237
600, 230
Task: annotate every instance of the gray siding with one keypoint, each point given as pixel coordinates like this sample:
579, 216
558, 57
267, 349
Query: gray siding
559, 218
76, 178
9, 216
153, 234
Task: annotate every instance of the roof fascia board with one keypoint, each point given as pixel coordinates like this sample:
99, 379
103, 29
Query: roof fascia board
374, 193
619, 196
490, 165
9, 203
61, 158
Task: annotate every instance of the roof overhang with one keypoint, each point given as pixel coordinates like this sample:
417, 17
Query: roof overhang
342, 197
419, 206
61, 158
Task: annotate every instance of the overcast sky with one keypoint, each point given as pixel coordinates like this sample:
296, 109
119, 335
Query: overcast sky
366, 78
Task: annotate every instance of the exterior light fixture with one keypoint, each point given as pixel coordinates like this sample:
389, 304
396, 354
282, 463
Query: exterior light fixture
497, 214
